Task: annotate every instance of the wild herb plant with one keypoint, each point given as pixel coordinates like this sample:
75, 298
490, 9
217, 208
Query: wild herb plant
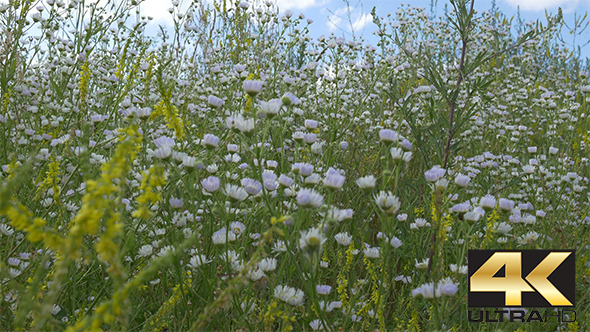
232, 172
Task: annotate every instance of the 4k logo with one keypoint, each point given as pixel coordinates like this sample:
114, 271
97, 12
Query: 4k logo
525, 278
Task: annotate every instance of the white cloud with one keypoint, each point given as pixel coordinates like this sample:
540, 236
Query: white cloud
158, 9
333, 23
340, 20
335, 19
362, 22
300, 4
539, 5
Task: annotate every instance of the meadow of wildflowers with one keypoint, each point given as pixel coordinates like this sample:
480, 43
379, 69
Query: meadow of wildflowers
233, 173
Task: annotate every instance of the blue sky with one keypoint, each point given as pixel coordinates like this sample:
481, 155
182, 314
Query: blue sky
330, 16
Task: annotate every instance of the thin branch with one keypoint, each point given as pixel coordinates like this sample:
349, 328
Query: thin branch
453, 100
